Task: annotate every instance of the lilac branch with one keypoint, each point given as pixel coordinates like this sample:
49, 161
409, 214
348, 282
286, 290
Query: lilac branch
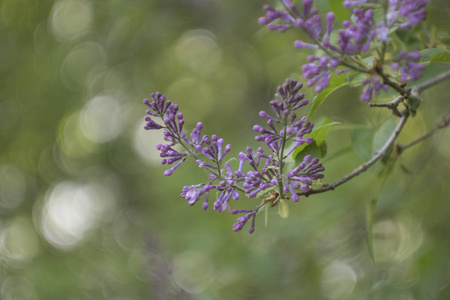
393, 105
378, 155
398, 87
415, 90
429, 83
443, 124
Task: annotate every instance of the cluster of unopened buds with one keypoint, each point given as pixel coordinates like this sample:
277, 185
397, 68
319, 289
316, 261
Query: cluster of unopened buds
358, 38
264, 173
258, 174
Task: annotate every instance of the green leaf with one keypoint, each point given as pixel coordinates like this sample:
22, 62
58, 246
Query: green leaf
336, 82
283, 209
405, 170
370, 60
429, 53
371, 207
356, 79
310, 149
362, 141
318, 148
414, 103
323, 148
382, 135
442, 57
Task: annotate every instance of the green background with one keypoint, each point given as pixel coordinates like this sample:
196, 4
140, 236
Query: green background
86, 213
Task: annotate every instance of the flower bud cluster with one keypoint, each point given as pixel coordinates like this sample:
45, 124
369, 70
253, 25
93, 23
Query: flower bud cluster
266, 171
360, 35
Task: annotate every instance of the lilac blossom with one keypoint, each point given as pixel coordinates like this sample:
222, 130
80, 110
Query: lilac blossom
357, 37
264, 171
407, 66
373, 86
241, 221
406, 13
301, 177
319, 71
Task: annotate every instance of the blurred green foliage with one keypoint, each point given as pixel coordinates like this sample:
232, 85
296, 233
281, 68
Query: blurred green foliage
85, 212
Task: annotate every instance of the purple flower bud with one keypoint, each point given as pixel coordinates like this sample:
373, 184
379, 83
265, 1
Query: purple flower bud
252, 226
300, 44
307, 4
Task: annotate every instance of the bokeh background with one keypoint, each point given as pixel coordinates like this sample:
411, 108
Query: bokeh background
86, 213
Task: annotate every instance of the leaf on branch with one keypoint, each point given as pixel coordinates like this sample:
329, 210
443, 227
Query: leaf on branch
414, 103
442, 57
336, 82
362, 141
382, 136
405, 170
428, 54
319, 147
366, 141
283, 209
311, 149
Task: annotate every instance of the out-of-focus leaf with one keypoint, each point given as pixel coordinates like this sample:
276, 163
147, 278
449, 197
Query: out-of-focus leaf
283, 209
429, 53
382, 135
414, 103
356, 79
323, 148
362, 142
336, 82
370, 60
442, 57
405, 169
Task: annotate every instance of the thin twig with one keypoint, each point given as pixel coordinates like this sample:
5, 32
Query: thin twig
444, 123
393, 105
429, 83
380, 154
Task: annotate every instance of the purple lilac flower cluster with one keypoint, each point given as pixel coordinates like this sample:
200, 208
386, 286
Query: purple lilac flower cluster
266, 172
362, 34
